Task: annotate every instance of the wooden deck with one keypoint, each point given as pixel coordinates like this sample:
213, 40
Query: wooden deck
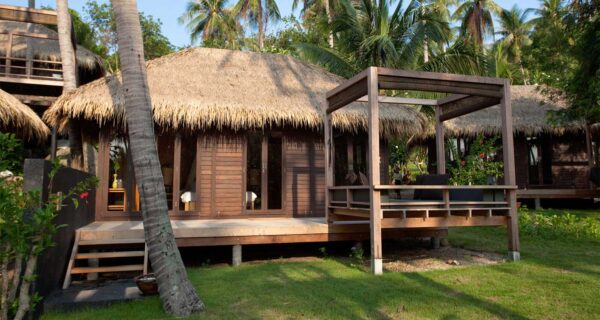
209, 232
558, 193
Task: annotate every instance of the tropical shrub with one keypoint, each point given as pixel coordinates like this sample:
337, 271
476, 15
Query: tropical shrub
478, 165
11, 153
27, 228
567, 225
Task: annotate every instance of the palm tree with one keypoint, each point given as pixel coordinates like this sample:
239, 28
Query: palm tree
314, 7
213, 22
439, 10
69, 67
258, 13
369, 34
177, 293
476, 19
515, 30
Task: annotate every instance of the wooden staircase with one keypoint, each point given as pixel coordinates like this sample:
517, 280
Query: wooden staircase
84, 250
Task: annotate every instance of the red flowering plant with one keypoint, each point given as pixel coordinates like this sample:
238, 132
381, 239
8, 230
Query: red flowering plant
479, 166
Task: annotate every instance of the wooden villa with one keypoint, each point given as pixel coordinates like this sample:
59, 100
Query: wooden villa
551, 161
30, 62
247, 159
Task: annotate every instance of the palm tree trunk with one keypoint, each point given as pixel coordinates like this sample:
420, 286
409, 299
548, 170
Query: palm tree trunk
261, 27
68, 60
177, 293
329, 19
426, 50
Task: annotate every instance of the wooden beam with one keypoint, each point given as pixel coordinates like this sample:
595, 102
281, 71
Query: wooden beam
374, 173
42, 82
350, 94
348, 83
329, 165
508, 154
176, 173
451, 98
438, 76
444, 222
436, 87
30, 15
465, 106
558, 193
440, 149
29, 34
403, 101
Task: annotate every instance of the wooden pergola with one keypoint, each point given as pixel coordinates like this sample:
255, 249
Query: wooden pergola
466, 94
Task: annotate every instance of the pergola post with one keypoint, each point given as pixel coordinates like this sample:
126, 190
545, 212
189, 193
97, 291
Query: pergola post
508, 153
440, 150
329, 173
374, 173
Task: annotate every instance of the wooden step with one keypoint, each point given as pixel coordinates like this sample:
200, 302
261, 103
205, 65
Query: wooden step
97, 242
116, 254
131, 267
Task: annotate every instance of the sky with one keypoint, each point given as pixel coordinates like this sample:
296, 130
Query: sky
168, 11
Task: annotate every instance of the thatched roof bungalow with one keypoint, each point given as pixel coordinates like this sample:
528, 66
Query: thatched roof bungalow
204, 88
239, 133
18, 118
531, 105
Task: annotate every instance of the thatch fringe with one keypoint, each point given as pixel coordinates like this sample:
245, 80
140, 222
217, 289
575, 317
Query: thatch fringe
18, 118
202, 88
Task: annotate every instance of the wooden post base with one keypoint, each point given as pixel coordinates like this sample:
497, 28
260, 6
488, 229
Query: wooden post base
377, 266
514, 255
236, 258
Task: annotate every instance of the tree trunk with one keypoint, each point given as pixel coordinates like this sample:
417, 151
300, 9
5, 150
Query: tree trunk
426, 50
28, 278
69, 67
32, 4
4, 301
177, 294
261, 27
329, 19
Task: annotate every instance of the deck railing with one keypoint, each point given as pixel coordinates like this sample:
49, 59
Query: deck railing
27, 67
422, 200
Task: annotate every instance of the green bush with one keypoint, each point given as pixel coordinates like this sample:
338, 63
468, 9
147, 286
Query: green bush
564, 225
11, 153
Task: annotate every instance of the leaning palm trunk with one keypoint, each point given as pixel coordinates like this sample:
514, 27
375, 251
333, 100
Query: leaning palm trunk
177, 294
329, 20
67, 53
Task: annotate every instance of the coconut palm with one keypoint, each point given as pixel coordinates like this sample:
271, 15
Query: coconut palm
439, 9
69, 67
314, 7
515, 30
370, 34
476, 19
211, 21
258, 13
177, 293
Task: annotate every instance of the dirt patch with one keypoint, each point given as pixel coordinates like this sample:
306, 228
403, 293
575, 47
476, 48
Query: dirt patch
438, 259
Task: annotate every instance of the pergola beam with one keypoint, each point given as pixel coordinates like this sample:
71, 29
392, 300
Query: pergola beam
465, 105
402, 101
432, 86
30, 15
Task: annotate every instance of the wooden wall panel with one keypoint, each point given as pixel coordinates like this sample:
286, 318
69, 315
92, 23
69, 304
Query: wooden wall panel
305, 176
228, 171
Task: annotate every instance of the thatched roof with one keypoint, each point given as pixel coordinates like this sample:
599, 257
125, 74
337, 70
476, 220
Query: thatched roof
18, 118
531, 105
44, 49
202, 88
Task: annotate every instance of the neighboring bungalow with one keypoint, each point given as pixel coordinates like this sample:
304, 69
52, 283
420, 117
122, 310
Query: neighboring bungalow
241, 146
30, 63
551, 161
17, 118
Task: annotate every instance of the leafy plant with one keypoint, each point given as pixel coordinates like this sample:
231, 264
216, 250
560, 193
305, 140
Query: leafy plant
11, 153
478, 165
565, 225
27, 228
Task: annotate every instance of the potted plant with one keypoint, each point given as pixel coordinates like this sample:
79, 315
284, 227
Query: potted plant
147, 284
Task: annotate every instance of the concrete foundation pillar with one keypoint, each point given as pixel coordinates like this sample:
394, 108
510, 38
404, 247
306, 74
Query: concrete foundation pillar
236, 251
537, 204
514, 256
377, 266
435, 242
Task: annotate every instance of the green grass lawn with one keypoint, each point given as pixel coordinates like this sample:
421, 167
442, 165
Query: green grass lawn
557, 279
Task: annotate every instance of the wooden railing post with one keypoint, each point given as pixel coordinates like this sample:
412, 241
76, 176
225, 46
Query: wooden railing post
439, 142
508, 154
374, 173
